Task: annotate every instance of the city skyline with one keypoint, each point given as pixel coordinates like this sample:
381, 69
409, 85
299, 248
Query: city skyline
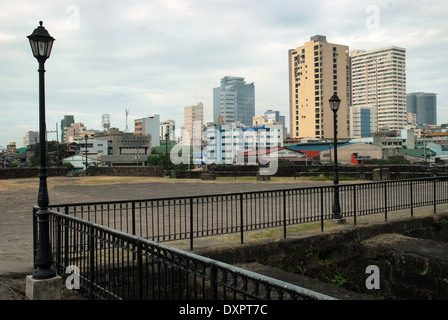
172, 53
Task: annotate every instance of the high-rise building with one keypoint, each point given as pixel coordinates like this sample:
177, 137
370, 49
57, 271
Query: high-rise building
363, 122
76, 130
317, 70
66, 123
424, 106
31, 138
234, 100
168, 127
193, 125
378, 80
149, 126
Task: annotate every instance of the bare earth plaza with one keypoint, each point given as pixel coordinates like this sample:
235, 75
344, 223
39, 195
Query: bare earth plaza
264, 251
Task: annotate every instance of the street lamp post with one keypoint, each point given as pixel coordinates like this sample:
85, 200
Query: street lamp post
334, 105
41, 44
87, 164
167, 135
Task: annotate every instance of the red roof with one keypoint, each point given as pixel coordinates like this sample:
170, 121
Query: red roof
310, 153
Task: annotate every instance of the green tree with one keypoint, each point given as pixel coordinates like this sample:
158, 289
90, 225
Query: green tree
55, 154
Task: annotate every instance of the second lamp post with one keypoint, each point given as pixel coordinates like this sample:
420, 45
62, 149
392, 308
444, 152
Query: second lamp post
335, 102
41, 44
87, 164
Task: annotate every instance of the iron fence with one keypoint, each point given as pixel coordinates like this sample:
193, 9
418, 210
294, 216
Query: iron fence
117, 250
112, 264
191, 217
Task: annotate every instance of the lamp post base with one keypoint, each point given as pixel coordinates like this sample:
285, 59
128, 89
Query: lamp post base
42, 274
48, 289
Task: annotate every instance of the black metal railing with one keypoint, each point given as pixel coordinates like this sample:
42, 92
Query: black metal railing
191, 217
111, 264
116, 247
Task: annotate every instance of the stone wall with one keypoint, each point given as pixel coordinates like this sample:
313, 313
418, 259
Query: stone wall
17, 173
126, 171
411, 254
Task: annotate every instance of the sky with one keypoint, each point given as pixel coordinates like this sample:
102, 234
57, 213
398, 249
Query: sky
159, 56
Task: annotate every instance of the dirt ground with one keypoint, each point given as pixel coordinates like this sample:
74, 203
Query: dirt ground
18, 196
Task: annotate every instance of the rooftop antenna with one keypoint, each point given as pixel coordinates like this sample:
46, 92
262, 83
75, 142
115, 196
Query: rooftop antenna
127, 127
105, 122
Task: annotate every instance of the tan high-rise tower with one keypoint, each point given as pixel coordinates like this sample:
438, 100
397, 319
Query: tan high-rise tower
193, 122
317, 70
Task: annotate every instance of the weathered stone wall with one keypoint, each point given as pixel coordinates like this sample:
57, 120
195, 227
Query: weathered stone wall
17, 173
126, 171
341, 258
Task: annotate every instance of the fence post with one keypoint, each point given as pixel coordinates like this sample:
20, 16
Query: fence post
191, 223
66, 239
133, 225
91, 260
241, 218
435, 198
412, 200
284, 214
354, 204
58, 242
139, 270
133, 218
322, 209
385, 201
214, 281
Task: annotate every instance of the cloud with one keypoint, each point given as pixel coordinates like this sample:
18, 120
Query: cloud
159, 56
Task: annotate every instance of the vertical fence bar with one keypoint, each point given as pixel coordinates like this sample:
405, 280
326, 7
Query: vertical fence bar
284, 214
214, 281
354, 204
191, 224
35, 235
133, 218
58, 241
139, 270
91, 260
241, 218
322, 209
411, 199
385, 201
435, 197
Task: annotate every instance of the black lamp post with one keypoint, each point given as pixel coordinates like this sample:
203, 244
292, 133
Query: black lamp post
335, 102
167, 135
41, 44
87, 164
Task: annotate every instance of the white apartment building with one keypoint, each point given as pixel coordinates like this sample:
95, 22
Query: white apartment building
168, 126
224, 143
149, 126
378, 81
31, 138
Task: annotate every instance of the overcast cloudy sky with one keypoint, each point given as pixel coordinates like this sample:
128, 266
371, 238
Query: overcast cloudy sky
158, 56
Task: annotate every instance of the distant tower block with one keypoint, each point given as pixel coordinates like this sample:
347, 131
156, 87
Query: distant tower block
105, 122
127, 114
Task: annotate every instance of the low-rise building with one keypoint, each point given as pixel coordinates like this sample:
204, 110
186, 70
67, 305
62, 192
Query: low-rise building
353, 153
124, 149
